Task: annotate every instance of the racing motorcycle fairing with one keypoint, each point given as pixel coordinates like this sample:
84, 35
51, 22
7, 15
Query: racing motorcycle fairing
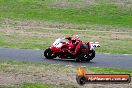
61, 46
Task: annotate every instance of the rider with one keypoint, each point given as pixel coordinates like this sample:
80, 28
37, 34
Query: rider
69, 39
76, 42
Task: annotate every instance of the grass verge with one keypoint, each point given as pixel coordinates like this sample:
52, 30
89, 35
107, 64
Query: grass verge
16, 74
38, 38
15, 66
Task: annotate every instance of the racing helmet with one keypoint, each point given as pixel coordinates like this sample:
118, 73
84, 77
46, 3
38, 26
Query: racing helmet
68, 37
75, 39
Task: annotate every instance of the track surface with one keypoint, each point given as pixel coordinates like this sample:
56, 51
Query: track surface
101, 60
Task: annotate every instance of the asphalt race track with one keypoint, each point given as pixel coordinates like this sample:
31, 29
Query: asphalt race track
101, 60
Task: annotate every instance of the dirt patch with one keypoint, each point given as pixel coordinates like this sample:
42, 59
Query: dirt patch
12, 78
26, 24
84, 3
72, 4
123, 3
46, 32
31, 24
50, 78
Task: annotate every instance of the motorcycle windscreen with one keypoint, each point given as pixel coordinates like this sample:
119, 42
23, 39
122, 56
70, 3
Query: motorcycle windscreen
57, 43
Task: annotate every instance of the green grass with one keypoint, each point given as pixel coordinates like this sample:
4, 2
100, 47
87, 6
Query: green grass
31, 85
98, 13
38, 85
109, 70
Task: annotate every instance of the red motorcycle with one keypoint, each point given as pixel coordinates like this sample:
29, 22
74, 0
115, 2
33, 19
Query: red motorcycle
61, 46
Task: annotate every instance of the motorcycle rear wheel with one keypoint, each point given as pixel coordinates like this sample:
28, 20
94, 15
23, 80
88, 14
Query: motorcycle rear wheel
92, 54
81, 57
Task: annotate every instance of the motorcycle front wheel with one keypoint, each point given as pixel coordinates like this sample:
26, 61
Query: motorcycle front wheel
49, 54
